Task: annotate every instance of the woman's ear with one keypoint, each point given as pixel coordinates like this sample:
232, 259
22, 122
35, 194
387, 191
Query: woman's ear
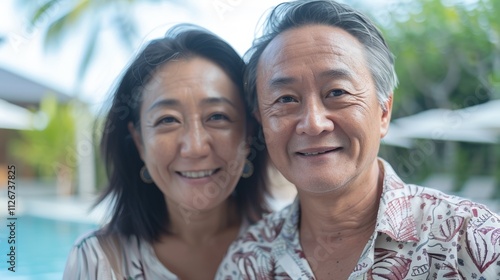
249, 138
136, 136
386, 117
256, 115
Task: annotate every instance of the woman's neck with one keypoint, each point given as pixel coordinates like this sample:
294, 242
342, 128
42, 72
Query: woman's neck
197, 239
198, 227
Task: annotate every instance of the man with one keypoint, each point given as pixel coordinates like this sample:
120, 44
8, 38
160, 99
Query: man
321, 81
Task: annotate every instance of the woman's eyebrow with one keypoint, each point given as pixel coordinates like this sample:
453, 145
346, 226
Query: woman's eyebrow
217, 100
164, 103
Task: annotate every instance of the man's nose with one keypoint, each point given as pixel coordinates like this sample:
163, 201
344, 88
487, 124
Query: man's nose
195, 141
314, 118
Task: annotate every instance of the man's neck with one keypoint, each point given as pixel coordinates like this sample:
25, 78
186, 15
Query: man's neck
346, 212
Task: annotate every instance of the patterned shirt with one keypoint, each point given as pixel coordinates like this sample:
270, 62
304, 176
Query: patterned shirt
420, 233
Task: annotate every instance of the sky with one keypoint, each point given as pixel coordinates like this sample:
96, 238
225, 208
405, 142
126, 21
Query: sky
23, 52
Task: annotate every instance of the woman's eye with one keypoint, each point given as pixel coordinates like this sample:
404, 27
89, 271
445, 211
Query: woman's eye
286, 99
337, 92
218, 117
167, 120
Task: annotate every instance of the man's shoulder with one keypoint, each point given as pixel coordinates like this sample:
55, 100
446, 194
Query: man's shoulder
421, 199
452, 202
428, 205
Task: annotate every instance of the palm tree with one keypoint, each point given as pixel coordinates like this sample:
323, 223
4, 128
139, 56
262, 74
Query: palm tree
63, 17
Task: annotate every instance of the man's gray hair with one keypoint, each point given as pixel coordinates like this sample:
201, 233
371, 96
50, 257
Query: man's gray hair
299, 13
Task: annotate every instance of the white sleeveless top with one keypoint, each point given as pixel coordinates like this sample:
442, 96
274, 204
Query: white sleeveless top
88, 259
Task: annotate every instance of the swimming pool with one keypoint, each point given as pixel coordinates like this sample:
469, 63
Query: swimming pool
42, 247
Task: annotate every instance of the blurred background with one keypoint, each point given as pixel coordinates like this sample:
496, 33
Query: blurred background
59, 61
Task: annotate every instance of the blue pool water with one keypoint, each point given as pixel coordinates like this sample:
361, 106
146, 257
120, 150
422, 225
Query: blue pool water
42, 247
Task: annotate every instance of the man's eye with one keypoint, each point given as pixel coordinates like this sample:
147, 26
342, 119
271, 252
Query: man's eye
218, 117
286, 99
337, 92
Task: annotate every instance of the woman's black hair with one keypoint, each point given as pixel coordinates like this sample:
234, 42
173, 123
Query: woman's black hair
139, 208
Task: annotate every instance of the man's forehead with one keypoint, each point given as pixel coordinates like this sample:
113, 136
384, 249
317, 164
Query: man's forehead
306, 43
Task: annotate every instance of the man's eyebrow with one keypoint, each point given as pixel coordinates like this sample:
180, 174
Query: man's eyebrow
338, 73
280, 82
216, 100
164, 103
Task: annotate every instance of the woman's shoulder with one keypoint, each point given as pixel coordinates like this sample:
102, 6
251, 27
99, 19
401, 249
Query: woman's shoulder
88, 238
92, 246
86, 259
100, 252
99, 241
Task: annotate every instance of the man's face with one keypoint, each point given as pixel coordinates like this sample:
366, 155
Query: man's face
318, 107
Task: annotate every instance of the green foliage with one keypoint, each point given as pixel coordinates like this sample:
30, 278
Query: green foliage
471, 158
101, 176
447, 56
496, 170
48, 149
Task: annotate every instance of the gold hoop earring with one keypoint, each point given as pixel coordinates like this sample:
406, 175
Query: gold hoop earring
247, 169
145, 176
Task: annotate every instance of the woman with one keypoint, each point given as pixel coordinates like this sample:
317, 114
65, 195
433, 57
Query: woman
176, 143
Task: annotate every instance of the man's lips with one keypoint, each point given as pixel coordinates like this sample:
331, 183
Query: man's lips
317, 151
196, 174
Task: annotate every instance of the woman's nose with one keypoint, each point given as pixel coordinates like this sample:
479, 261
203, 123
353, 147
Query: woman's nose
195, 141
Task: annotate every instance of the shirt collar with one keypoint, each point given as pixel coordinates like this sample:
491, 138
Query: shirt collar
291, 224
395, 217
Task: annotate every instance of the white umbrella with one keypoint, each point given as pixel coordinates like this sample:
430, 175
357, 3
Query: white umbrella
483, 116
443, 124
14, 117
395, 137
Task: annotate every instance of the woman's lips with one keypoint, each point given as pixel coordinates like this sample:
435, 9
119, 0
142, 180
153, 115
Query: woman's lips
198, 174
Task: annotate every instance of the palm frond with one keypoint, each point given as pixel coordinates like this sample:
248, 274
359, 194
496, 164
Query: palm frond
58, 28
126, 28
89, 53
42, 11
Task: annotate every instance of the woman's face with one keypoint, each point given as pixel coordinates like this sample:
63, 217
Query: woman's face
192, 133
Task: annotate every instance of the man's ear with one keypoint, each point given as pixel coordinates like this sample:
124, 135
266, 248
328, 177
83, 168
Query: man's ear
136, 136
386, 116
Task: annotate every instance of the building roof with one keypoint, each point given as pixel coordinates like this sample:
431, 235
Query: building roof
14, 117
17, 89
